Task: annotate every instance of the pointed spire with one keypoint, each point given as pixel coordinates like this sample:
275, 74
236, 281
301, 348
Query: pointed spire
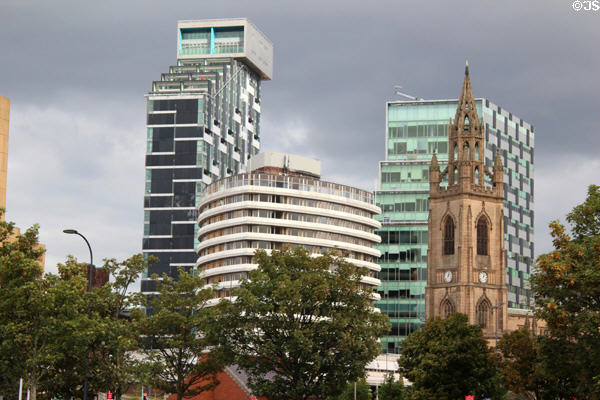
498, 162
434, 161
466, 103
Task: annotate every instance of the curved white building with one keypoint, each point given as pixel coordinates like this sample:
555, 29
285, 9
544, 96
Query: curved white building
282, 201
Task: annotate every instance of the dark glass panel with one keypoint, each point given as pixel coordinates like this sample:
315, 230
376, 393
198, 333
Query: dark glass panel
183, 229
154, 160
161, 119
189, 131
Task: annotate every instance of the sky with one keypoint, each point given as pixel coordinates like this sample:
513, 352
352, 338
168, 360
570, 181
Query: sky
77, 72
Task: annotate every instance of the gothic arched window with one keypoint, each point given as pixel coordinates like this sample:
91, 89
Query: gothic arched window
483, 313
476, 175
449, 236
476, 151
482, 236
446, 309
466, 124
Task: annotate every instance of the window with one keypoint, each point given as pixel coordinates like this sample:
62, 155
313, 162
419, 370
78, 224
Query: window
447, 308
483, 313
482, 236
449, 236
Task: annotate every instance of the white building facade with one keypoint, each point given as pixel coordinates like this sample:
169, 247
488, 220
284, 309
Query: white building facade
282, 202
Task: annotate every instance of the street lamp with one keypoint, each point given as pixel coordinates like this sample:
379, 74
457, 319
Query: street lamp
91, 279
497, 307
91, 265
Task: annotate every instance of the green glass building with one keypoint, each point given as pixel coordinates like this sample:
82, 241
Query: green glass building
414, 130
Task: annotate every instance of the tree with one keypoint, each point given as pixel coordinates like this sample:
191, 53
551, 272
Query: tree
363, 391
19, 267
114, 366
301, 326
448, 359
66, 373
38, 315
521, 366
183, 354
567, 291
391, 389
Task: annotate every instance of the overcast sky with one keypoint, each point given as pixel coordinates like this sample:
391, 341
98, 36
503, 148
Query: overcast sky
77, 71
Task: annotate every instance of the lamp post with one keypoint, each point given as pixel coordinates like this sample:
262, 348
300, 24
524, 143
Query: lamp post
497, 307
90, 286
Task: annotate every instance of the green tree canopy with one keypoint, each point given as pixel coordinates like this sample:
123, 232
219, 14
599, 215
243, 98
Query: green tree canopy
42, 318
53, 332
448, 359
363, 391
302, 326
118, 317
567, 291
391, 389
522, 366
181, 332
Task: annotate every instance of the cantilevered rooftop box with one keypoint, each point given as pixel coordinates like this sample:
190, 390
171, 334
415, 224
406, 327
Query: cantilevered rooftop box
217, 38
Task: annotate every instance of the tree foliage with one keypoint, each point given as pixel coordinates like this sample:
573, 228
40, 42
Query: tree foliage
53, 332
42, 320
181, 330
449, 359
302, 326
363, 391
522, 366
391, 389
118, 311
567, 290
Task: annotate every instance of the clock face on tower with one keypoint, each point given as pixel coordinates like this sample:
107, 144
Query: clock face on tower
448, 276
483, 277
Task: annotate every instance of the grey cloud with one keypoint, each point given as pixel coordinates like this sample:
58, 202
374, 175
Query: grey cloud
336, 63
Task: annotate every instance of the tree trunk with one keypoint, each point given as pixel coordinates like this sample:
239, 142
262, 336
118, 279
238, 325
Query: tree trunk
32, 384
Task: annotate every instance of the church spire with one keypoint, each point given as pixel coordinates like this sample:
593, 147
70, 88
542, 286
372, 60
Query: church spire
466, 103
466, 140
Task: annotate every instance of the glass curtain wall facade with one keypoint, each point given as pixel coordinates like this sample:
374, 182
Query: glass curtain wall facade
203, 124
415, 129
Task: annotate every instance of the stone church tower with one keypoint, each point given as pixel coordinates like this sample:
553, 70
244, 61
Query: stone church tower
465, 260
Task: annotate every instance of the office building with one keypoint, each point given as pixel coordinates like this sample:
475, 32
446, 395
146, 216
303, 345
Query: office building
281, 201
414, 130
4, 122
203, 124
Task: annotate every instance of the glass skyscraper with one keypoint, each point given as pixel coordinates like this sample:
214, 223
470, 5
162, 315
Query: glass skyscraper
203, 124
414, 130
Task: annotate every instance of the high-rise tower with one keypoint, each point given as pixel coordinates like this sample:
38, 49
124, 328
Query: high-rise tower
465, 259
203, 124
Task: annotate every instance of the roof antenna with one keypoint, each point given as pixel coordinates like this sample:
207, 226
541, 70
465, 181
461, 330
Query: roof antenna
408, 96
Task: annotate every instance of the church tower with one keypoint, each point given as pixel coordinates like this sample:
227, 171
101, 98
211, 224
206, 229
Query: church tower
465, 260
